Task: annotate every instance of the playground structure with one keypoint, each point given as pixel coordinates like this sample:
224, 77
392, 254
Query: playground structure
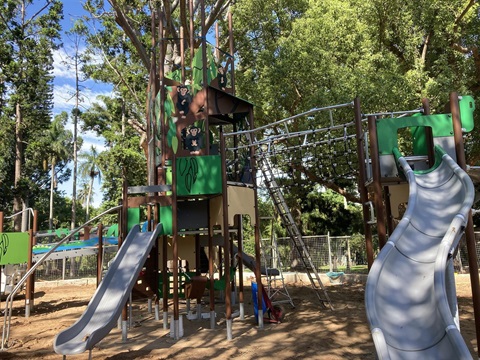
411, 288
203, 179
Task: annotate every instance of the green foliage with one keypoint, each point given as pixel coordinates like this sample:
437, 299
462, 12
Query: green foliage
327, 211
291, 56
26, 63
295, 56
123, 158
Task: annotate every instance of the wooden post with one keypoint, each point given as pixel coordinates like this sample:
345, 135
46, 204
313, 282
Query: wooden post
377, 186
240, 262
123, 231
226, 233
429, 135
469, 231
211, 256
86, 233
205, 79
230, 38
362, 178
29, 292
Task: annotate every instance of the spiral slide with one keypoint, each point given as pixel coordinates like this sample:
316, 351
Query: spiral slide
410, 293
105, 307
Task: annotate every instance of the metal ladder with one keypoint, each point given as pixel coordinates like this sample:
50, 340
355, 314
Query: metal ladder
272, 271
292, 230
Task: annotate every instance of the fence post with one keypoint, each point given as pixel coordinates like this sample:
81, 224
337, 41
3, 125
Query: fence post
329, 252
100, 254
349, 256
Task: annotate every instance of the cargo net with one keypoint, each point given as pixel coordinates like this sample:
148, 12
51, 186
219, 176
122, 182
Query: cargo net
317, 146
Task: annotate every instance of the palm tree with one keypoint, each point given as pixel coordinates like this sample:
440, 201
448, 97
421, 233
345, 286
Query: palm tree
90, 168
59, 149
84, 190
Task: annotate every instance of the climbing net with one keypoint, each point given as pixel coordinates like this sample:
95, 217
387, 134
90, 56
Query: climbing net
316, 146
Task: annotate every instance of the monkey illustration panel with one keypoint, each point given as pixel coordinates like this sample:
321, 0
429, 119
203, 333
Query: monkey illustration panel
184, 99
193, 139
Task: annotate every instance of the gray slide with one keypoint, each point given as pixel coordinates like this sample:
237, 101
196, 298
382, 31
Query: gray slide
410, 294
105, 307
249, 262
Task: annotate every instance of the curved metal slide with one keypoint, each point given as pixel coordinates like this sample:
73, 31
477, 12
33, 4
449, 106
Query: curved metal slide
410, 293
105, 307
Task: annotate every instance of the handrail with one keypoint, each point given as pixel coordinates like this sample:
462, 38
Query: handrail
21, 212
18, 213
278, 122
9, 300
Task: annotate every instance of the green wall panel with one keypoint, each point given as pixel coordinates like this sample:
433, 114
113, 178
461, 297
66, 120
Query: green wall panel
133, 218
199, 175
13, 248
166, 219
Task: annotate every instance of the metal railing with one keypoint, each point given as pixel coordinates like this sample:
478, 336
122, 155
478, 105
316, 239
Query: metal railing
9, 301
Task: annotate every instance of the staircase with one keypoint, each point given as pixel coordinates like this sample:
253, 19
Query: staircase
292, 230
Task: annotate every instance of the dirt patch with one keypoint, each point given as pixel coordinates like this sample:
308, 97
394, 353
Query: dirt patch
308, 330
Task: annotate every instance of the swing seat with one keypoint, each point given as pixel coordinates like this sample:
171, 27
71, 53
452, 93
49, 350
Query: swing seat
336, 277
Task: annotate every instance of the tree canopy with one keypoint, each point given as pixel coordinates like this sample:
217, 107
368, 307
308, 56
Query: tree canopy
290, 56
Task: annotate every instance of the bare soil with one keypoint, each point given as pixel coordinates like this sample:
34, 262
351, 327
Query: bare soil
308, 330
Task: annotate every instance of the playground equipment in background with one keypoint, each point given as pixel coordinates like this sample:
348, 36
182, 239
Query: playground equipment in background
275, 313
335, 277
272, 270
10, 276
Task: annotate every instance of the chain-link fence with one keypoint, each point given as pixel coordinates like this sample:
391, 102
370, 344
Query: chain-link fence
461, 257
328, 253
76, 267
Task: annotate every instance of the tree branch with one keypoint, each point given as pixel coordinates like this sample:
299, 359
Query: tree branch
462, 15
124, 23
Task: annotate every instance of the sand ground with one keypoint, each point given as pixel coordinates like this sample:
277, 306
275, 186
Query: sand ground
308, 330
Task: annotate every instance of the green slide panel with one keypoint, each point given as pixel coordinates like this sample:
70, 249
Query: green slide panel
441, 125
199, 175
13, 248
166, 219
133, 218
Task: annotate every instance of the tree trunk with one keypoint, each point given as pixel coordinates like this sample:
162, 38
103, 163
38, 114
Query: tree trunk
89, 196
17, 200
75, 150
52, 187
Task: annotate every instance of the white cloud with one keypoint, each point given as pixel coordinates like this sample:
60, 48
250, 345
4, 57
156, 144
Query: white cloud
64, 95
60, 67
64, 86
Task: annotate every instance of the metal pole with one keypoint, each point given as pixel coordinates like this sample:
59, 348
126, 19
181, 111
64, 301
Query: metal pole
329, 252
100, 254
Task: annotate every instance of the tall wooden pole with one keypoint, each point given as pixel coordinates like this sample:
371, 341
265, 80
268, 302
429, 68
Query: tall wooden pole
362, 178
377, 186
469, 231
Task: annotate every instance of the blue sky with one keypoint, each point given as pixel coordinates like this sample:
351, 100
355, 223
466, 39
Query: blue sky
64, 90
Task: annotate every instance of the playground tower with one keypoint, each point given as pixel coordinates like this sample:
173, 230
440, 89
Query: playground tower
197, 188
